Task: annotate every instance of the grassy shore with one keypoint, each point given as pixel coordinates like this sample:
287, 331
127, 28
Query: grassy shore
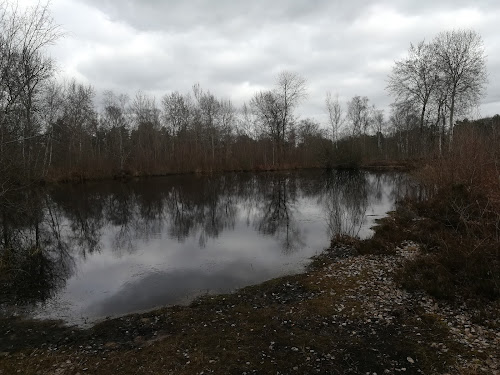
354, 311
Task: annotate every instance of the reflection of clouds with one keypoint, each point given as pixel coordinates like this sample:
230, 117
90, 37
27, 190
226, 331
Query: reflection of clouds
157, 236
177, 286
103, 274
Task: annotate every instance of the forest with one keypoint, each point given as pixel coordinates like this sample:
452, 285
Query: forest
53, 130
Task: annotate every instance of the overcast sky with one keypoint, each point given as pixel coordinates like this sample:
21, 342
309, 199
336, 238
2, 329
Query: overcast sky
234, 48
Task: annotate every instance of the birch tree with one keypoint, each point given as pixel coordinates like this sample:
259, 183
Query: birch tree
461, 57
335, 114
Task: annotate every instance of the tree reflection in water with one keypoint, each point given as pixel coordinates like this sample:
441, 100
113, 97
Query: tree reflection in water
44, 233
346, 201
276, 209
348, 196
35, 259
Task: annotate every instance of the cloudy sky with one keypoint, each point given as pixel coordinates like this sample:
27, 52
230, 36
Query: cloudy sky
234, 48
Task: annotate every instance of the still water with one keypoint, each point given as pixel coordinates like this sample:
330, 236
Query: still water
107, 249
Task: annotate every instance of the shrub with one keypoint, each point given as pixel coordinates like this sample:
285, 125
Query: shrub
461, 244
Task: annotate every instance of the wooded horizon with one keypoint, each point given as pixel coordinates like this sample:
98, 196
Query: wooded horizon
53, 131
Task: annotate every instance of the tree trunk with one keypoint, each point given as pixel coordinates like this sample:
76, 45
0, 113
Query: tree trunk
422, 140
452, 112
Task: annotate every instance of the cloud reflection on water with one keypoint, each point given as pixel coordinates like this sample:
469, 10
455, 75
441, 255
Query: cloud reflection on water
109, 248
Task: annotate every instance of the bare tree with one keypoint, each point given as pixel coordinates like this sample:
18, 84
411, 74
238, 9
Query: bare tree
116, 124
176, 112
52, 110
208, 110
462, 60
226, 122
290, 90
404, 119
144, 111
439, 105
274, 108
415, 78
379, 125
24, 67
335, 114
246, 122
266, 110
358, 113
145, 135
79, 125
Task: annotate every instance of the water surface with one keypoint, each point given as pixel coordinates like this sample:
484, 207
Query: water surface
106, 249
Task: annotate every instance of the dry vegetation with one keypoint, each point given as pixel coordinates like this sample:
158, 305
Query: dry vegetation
456, 223
460, 226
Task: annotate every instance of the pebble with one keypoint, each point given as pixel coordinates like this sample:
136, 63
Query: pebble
378, 307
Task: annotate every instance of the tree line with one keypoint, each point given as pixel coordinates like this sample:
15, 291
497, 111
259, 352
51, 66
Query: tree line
52, 130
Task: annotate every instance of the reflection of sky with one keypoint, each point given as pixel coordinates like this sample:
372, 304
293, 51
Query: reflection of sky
162, 271
377, 209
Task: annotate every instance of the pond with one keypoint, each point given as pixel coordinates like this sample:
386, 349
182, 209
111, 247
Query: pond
85, 252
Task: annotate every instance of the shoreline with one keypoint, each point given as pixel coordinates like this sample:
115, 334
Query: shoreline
347, 313
390, 166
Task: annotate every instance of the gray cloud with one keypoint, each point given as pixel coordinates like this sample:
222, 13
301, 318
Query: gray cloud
235, 48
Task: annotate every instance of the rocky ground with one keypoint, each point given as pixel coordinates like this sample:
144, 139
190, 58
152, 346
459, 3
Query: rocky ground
345, 315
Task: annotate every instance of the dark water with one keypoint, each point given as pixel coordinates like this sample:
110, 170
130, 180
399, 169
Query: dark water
82, 253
